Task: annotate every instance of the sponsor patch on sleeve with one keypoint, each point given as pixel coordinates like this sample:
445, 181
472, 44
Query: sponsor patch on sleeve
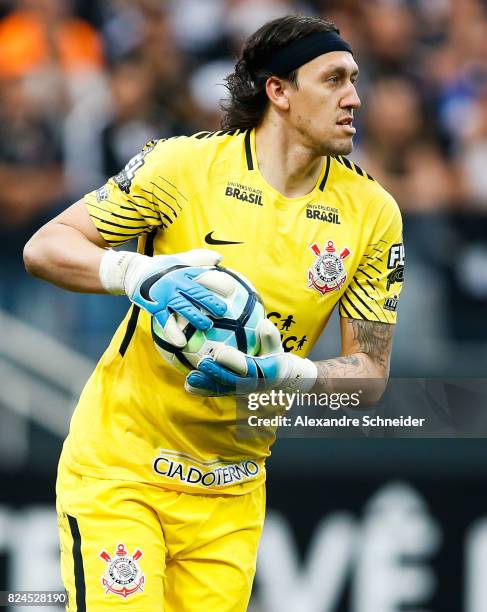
124, 178
102, 193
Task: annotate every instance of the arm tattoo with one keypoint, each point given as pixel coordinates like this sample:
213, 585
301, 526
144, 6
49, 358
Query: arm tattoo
368, 362
350, 366
374, 339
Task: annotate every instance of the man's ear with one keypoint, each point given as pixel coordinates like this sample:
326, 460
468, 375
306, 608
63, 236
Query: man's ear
277, 92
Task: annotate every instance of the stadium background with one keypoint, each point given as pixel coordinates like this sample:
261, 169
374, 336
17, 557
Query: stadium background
355, 525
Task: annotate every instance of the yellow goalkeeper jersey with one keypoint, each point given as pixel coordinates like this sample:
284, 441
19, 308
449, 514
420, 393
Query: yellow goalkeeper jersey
340, 244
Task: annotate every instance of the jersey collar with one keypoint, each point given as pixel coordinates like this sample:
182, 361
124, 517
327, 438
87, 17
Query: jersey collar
251, 159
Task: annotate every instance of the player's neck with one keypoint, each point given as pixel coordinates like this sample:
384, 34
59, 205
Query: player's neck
284, 162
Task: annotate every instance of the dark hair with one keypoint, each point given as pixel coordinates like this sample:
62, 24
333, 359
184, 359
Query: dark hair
248, 98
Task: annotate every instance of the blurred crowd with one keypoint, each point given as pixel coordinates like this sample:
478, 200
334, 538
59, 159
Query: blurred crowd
83, 85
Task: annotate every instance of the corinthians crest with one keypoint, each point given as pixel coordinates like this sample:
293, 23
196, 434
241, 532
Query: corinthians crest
122, 575
328, 272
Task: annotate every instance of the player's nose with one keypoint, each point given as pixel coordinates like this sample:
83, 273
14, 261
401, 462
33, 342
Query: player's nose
351, 98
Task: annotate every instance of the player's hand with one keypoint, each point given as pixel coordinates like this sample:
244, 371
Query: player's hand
230, 372
166, 285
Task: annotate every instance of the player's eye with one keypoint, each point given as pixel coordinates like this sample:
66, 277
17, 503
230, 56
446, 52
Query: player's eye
332, 79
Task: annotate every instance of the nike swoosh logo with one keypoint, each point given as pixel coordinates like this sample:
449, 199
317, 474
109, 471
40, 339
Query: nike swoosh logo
210, 240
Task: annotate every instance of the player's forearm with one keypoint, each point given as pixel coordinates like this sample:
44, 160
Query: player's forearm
350, 373
62, 255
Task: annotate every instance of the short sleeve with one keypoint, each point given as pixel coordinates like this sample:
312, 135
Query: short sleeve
142, 197
373, 293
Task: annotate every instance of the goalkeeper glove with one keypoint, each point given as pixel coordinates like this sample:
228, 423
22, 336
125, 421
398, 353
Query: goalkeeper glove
230, 372
170, 285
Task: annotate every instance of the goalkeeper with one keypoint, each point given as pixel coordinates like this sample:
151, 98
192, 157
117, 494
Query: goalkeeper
160, 504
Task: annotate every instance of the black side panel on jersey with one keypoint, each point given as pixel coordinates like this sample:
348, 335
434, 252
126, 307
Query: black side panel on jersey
134, 315
79, 572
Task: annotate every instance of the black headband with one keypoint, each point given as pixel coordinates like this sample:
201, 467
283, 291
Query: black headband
302, 51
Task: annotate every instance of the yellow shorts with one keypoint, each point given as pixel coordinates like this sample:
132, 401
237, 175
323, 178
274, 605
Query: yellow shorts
132, 546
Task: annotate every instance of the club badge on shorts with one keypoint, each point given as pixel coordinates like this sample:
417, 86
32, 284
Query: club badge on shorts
123, 575
328, 272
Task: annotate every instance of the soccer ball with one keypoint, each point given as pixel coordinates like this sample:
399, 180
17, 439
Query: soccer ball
245, 311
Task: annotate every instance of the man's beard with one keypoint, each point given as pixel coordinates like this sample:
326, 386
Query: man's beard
336, 148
